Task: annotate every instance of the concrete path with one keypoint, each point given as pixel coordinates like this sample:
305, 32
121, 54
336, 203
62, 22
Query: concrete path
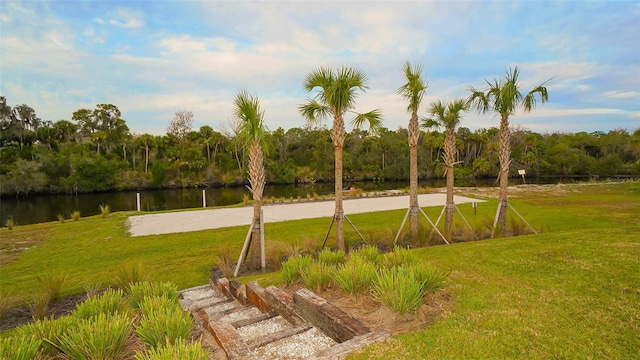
175, 222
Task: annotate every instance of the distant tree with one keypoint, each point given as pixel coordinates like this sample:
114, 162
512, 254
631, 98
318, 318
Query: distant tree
181, 124
336, 95
413, 91
504, 97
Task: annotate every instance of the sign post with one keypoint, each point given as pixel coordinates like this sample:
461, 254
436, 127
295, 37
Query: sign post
522, 173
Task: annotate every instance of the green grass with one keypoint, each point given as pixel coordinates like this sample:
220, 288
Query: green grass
571, 291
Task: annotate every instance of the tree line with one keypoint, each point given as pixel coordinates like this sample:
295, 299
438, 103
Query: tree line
96, 151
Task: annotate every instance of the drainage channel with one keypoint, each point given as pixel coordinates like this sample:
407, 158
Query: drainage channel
247, 321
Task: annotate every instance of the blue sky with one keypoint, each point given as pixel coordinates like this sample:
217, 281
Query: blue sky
153, 58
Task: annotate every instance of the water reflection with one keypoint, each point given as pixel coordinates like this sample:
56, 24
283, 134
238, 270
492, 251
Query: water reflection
43, 208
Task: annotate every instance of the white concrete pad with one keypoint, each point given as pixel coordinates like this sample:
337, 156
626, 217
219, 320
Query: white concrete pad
165, 223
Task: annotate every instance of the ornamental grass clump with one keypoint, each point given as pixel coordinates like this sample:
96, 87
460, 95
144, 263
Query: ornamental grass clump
105, 210
48, 330
399, 256
431, 279
181, 349
157, 303
39, 306
21, 348
110, 302
330, 258
398, 289
52, 285
355, 276
163, 325
143, 289
101, 337
7, 301
317, 276
75, 216
292, 268
130, 273
368, 253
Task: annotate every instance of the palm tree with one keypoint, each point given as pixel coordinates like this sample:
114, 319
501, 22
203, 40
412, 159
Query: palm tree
447, 116
413, 91
252, 132
337, 90
504, 97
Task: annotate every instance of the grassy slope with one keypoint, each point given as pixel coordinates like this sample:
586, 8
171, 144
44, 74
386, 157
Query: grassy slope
572, 291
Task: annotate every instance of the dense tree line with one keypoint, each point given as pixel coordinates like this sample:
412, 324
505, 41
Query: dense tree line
96, 151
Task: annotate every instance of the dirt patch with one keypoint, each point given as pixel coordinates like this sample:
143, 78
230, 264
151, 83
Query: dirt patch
15, 242
19, 316
379, 317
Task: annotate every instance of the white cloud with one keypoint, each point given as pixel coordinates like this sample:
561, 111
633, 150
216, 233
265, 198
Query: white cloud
127, 18
621, 94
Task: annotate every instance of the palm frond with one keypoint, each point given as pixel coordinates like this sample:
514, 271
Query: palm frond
529, 101
413, 90
314, 112
247, 110
477, 100
372, 118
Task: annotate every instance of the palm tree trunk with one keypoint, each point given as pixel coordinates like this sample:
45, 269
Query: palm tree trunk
504, 155
146, 158
449, 151
256, 179
414, 133
338, 135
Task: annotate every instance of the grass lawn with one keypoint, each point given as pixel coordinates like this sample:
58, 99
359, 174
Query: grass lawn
572, 291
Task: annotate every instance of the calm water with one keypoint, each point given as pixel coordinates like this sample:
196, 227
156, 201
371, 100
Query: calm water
44, 208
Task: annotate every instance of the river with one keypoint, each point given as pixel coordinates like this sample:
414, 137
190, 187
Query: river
43, 208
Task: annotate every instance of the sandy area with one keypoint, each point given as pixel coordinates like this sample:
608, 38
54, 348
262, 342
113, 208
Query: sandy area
165, 223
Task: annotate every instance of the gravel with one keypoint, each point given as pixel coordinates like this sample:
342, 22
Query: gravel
298, 346
261, 328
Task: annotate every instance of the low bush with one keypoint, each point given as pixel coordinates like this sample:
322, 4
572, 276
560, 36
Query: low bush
140, 290
292, 268
181, 349
330, 258
317, 276
398, 289
355, 276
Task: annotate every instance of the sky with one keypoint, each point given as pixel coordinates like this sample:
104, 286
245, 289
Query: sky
153, 58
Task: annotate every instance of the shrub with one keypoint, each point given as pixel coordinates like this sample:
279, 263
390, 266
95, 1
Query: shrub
110, 302
368, 253
317, 276
164, 325
100, 337
274, 252
130, 273
398, 289
105, 210
355, 276
181, 349
329, 257
293, 266
10, 224
52, 285
75, 216
139, 291
49, 330
60, 218
20, 348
